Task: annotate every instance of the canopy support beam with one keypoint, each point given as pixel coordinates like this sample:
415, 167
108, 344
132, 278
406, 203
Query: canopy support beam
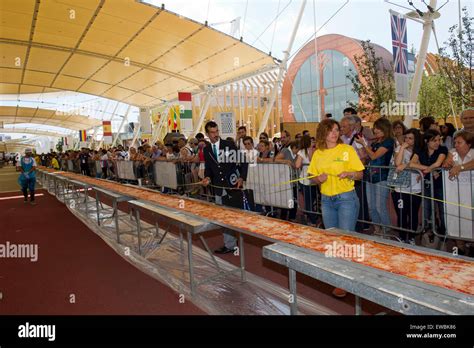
203, 112
124, 119
281, 70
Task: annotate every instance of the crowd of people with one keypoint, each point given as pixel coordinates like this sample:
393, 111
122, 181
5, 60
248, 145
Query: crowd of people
348, 172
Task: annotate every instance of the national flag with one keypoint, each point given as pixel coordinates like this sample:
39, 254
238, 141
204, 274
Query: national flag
400, 55
107, 128
82, 135
173, 118
399, 42
186, 111
107, 132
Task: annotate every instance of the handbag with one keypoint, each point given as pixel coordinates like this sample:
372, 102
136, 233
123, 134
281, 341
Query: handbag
398, 179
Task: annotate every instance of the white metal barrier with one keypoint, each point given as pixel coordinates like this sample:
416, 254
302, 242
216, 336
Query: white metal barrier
459, 200
269, 182
125, 170
165, 174
70, 166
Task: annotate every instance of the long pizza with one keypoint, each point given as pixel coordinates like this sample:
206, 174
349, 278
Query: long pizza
449, 273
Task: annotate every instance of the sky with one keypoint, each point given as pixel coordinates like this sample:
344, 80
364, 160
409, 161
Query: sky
360, 19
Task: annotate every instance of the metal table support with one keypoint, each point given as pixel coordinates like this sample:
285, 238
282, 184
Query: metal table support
59, 185
77, 186
116, 198
191, 225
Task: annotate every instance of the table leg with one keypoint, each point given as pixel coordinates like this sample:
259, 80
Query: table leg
358, 307
190, 260
86, 192
116, 219
293, 301
97, 206
139, 228
242, 257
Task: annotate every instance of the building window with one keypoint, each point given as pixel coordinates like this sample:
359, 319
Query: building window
312, 94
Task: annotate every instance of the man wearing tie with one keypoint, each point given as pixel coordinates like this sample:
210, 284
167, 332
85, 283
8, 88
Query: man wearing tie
222, 171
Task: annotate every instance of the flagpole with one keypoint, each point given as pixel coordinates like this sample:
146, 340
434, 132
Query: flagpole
420, 62
460, 50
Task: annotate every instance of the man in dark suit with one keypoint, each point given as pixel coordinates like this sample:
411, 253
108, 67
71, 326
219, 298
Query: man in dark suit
222, 170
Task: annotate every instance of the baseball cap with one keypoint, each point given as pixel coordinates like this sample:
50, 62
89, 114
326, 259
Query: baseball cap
28, 150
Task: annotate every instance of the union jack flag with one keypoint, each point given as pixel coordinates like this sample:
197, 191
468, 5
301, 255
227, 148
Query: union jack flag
399, 43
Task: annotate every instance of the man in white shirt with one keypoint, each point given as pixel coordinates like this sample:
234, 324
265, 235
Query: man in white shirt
241, 134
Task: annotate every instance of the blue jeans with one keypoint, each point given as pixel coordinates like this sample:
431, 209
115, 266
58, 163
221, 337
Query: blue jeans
377, 194
340, 211
29, 184
309, 194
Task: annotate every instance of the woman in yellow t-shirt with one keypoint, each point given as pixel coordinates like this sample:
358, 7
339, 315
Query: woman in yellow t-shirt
335, 166
54, 162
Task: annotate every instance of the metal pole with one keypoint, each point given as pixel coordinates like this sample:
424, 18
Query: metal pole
93, 137
358, 307
136, 131
203, 112
111, 117
276, 85
316, 56
444, 78
460, 52
293, 301
158, 127
420, 62
124, 119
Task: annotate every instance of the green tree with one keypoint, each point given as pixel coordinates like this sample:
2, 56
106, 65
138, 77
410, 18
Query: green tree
433, 97
456, 62
374, 83
59, 145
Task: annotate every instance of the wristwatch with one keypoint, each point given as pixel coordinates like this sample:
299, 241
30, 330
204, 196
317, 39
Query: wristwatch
462, 167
